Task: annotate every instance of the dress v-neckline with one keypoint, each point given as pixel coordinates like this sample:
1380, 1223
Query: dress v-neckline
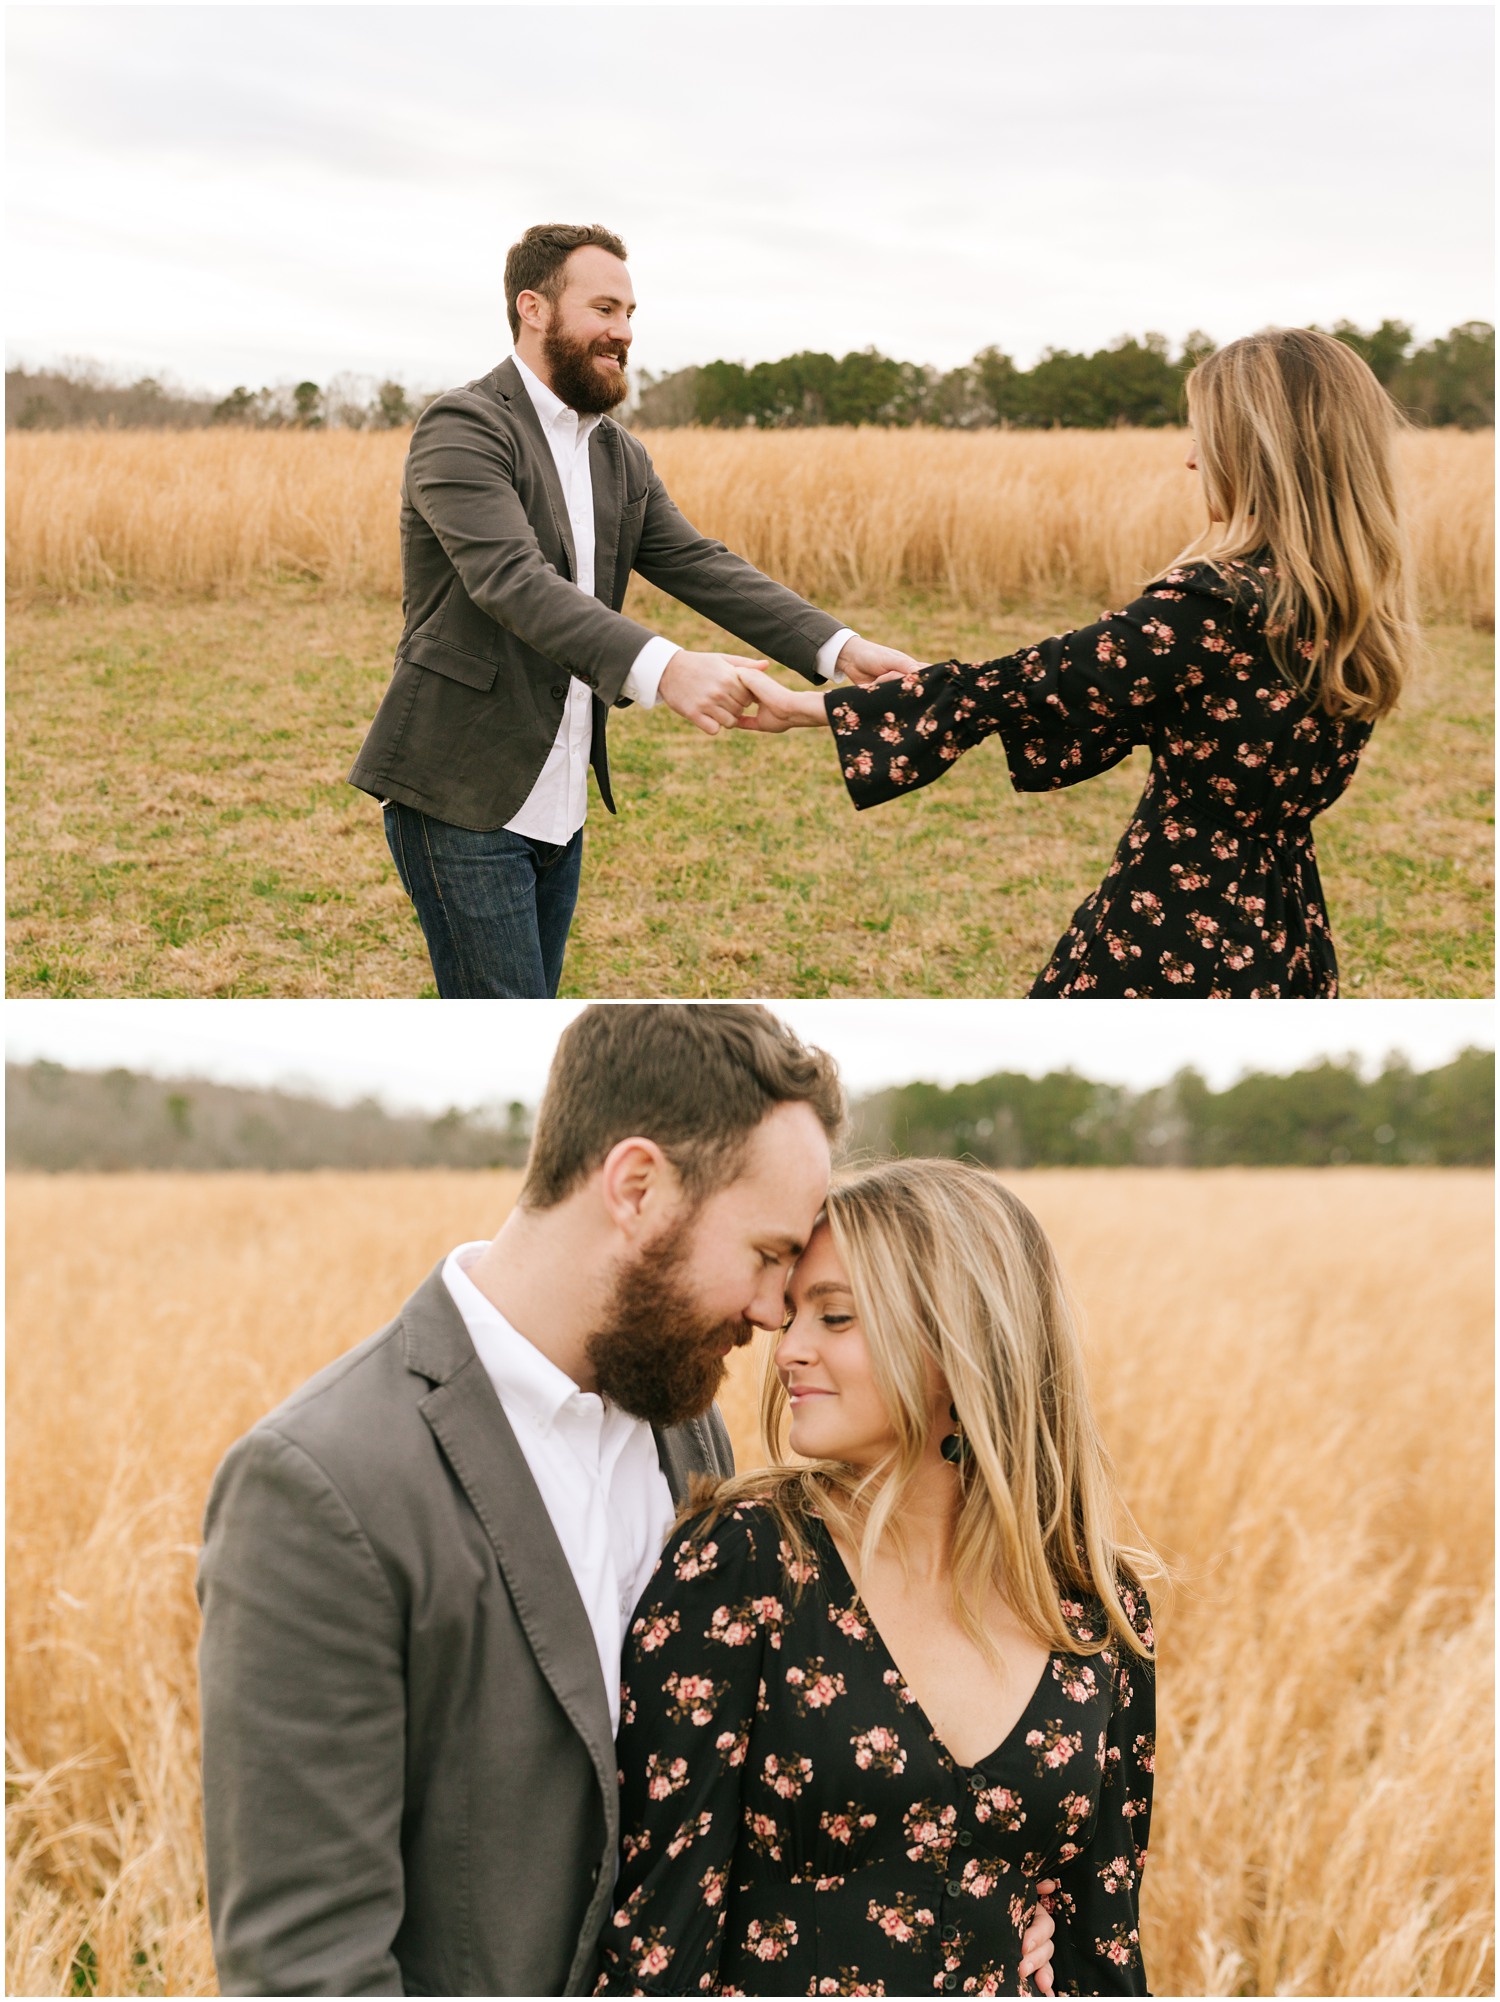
910, 1694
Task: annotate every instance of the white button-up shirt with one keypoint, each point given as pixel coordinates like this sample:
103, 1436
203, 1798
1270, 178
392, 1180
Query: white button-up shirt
557, 804
595, 1467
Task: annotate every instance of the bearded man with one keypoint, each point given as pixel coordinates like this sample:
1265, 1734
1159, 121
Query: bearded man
524, 509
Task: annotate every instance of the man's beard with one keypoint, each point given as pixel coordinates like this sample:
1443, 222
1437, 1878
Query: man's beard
575, 379
658, 1355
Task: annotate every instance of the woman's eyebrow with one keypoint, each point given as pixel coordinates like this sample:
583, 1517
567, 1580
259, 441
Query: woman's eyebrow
824, 1287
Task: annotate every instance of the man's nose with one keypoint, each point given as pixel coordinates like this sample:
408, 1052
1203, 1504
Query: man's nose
767, 1306
792, 1348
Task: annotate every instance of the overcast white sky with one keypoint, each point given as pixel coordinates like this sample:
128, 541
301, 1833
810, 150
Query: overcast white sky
492, 1053
250, 194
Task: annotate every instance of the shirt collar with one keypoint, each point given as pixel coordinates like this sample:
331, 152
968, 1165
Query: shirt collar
521, 1374
549, 405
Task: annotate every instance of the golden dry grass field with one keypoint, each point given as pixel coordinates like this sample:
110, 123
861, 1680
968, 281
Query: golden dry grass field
201, 626
1293, 1369
989, 518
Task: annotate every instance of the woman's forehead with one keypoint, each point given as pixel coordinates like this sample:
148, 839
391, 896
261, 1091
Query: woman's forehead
819, 1264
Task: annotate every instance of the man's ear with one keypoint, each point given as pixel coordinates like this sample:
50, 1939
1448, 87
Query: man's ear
638, 1186
533, 311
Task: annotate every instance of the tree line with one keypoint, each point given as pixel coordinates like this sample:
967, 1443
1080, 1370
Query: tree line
1328, 1114
84, 393
57, 1119
61, 1120
1450, 380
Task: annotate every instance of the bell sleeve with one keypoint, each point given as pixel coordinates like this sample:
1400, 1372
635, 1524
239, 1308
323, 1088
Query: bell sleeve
1065, 710
693, 1675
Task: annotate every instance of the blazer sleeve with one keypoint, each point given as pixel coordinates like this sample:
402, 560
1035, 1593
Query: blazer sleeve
690, 566
303, 1720
694, 1664
1065, 710
1097, 1949
460, 477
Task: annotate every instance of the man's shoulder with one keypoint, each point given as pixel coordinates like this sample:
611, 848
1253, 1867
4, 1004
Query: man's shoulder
366, 1395
488, 401
325, 1419
700, 1445
371, 1367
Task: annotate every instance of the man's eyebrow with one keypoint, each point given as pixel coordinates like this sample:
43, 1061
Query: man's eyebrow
792, 1246
610, 299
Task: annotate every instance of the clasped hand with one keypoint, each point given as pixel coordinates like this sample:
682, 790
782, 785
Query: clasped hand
716, 691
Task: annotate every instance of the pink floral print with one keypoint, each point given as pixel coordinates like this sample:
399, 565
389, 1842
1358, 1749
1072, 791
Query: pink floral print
793, 1825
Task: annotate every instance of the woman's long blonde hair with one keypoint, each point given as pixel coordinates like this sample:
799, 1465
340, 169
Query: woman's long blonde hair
947, 1267
1296, 448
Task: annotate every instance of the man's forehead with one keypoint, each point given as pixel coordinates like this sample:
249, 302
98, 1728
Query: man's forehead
593, 269
775, 1212
784, 1177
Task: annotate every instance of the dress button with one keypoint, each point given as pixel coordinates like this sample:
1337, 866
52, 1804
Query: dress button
950, 1982
955, 1888
964, 1838
976, 1783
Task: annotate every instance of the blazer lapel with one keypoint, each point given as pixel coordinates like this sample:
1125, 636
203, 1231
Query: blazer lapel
683, 1452
507, 384
607, 476
471, 1427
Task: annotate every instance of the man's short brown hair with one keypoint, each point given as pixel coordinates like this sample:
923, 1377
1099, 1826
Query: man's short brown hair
535, 264
697, 1080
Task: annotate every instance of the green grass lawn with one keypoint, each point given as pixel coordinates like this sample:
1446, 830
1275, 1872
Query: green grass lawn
179, 825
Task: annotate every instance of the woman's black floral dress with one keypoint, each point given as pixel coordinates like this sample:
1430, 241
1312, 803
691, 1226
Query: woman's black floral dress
791, 1825
1214, 888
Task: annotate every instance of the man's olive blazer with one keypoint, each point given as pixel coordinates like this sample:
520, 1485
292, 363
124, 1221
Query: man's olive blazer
408, 1773
494, 624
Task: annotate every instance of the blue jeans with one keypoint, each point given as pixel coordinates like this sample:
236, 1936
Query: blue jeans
494, 908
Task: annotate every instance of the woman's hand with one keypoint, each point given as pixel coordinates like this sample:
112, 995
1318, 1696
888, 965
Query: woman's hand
1036, 1946
778, 708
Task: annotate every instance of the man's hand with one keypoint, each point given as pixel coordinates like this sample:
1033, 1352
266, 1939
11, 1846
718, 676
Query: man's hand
1036, 1946
709, 689
779, 708
865, 662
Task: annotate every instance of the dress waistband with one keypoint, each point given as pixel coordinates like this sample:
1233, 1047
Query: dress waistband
1292, 834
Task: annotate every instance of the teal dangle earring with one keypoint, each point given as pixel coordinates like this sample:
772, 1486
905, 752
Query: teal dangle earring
955, 1447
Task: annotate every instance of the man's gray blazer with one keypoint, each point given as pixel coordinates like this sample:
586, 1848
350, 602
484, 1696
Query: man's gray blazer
494, 624
408, 1773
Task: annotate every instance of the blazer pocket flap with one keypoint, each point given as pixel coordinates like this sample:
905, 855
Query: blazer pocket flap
451, 661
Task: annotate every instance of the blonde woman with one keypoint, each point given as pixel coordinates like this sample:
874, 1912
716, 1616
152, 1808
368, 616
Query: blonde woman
1254, 668
882, 1696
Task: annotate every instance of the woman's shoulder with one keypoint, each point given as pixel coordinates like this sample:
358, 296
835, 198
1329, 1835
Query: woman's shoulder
1089, 1620
1243, 582
745, 1537
1137, 1609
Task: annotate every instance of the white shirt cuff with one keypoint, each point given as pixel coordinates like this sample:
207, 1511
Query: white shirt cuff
646, 671
828, 653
